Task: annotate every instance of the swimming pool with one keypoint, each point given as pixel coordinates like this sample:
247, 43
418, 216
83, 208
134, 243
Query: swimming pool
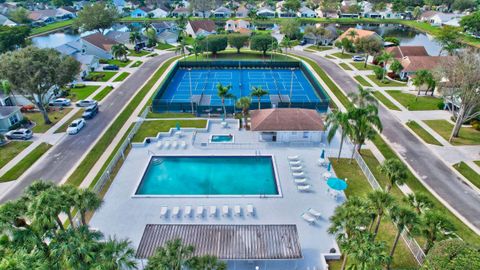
222, 138
209, 176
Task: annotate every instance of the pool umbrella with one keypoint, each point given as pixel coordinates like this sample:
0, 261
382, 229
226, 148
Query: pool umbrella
322, 155
329, 166
337, 184
178, 126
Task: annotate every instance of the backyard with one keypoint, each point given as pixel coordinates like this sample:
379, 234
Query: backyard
152, 128
422, 103
467, 135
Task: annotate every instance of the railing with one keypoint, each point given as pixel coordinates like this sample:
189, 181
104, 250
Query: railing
411, 243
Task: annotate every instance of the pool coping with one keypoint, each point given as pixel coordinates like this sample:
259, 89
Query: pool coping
274, 166
210, 140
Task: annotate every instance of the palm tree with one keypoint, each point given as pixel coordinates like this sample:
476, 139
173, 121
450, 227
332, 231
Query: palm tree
244, 103
86, 201
68, 194
381, 201
363, 98
206, 262
403, 218
286, 43
258, 92
134, 37
395, 171
352, 35
434, 226
173, 256
368, 254
116, 254
36, 188
334, 121
384, 59
120, 51
419, 202
364, 123
423, 77
223, 93
46, 208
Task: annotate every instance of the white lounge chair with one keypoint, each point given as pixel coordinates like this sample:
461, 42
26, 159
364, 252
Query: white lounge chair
293, 157
300, 180
250, 210
296, 168
159, 144
163, 211
321, 162
174, 144
199, 211
237, 210
187, 211
298, 174
314, 213
176, 211
179, 134
308, 218
225, 210
295, 163
183, 144
224, 124
166, 144
303, 187
213, 211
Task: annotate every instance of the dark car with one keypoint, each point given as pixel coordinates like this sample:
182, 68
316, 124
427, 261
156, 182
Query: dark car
303, 42
90, 112
111, 67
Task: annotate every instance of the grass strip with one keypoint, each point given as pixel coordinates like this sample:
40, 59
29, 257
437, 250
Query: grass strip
362, 81
477, 162
51, 27
386, 82
16, 171
103, 93
164, 46
169, 115
92, 157
10, 150
137, 54
121, 77
345, 66
468, 172
383, 99
361, 66
413, 103
319, 48
342, 55
152, 128
329, 57
65, 125
422, 133
137, 64
466, 136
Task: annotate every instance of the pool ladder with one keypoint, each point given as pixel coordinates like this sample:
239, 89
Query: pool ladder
258, 153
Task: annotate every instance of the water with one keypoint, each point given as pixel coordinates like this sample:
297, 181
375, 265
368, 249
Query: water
54, 40
225, 175
221, 138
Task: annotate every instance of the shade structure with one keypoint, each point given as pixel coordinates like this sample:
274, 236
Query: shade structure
337, 184
322, 155
329, 167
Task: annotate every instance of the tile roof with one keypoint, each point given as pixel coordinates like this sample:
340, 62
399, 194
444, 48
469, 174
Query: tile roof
414, 63
226, 242
286, 119
39, 14
361, 33
100, 41
205, 25
402, 51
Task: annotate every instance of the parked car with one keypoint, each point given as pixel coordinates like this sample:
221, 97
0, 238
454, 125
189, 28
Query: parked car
19, 134
90, 112
111, 67
86, 103
358, 58
303, 42
147, 49
76, 126
60, 102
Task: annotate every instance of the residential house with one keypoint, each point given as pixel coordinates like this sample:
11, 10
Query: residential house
201, 14
7, 7
98, 45
167, 32
455, 22
284, 13
4, 21
222, 12
65, 13
326, 13
159, 13
413, 63
200, 28
345, 13
238, 26
266, 13
441, 18
242, 12
119, 4
9, 116
43, 16
425, 16
326, 39
399, 52
306, 12
180, 11
360, 33
75, 49
78, 5
141, 12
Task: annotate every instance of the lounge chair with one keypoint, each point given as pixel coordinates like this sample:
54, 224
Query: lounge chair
293, 158
303, 187
237, 210
176, 211
250, 210
159, 144
213, 211
224, 124
295, 163
183, 144
300, 180
187, 211
166, 144
174, 144
298, 174
308, 218
163, 211
314, 213
296, 168
199, 211
225, 210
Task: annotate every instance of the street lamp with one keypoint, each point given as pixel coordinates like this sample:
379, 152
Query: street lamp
291, 87
190, 79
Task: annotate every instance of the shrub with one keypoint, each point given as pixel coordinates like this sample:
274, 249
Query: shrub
103, 61
215, 43
94, 77
441, 105
378, 72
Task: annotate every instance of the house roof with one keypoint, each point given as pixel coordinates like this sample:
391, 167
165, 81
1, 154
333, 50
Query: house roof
100, 41
69, 9
205, 25
5, 21
402, 51
222, 10
361, 33
39, 14
414, 63
181, 9
428, 14
119, 36
226, 242
6, 111
286, 119
305, 10
146, 9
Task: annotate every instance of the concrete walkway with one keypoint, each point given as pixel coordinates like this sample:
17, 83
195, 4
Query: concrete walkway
430, 169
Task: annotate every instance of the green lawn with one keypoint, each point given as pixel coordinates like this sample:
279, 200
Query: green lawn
54, 116
423, 103
359, 186
342, 55
152, 128
11, 150
422, 133
319, 48
137, 54
16, 171
329, 57
383, 99
243, 55
477, 162
137, 64
100, 76
386, 82
120, 63
467, 135
345, 66
50, 27
164, 46
82, 92
92, 157
362, 81
169, 115
103, 93
121, 77
361, 66
64, 127
469, 173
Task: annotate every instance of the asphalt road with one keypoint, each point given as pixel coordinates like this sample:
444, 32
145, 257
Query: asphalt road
436, 174
64, 155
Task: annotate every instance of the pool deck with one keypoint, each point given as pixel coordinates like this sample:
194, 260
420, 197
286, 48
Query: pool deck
126, 216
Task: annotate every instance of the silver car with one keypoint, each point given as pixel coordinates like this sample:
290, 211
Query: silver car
61, 102
86, 103
19, 134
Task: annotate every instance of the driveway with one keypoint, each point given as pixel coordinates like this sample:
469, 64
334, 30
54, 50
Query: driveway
433, 171
63, 157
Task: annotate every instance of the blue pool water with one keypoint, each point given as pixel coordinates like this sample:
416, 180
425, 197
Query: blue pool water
231, 175
222, 138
